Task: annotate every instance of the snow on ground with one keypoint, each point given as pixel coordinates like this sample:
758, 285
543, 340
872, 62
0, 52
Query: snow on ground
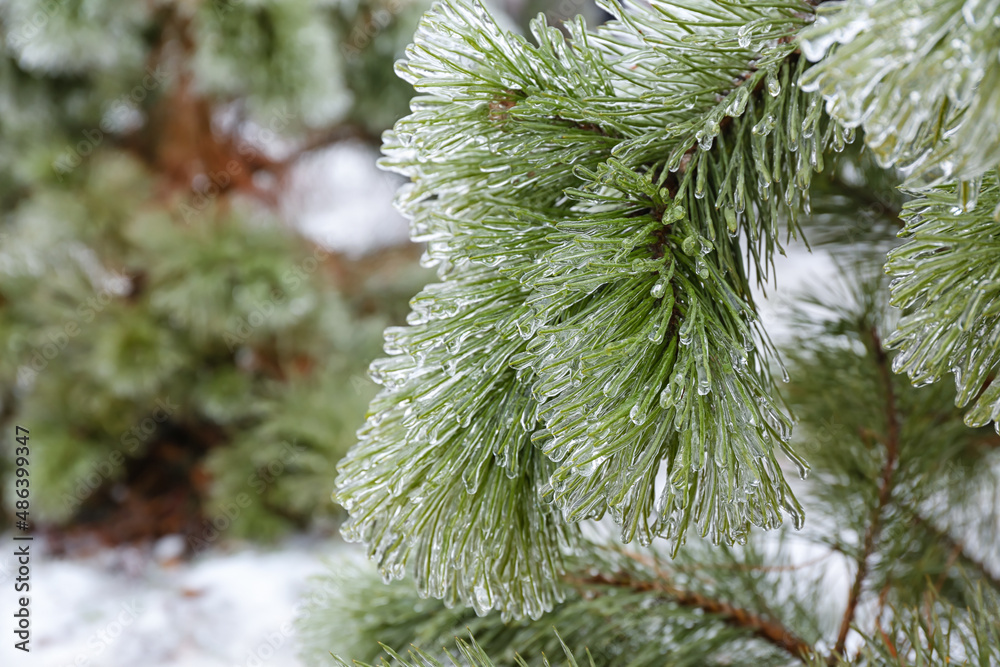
126, 607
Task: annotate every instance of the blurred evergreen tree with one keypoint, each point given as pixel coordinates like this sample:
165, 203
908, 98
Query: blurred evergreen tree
184, 359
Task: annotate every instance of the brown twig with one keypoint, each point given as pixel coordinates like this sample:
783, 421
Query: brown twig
878, 621
885, 490
767, 629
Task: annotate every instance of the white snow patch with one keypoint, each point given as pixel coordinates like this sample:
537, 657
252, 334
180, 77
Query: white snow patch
342, 200
798, 271
122, 607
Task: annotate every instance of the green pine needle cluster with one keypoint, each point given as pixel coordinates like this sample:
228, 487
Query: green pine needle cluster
947, 284
899, 496
594, 304
926, 100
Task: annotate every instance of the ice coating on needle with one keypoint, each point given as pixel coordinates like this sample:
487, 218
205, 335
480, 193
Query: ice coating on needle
927, 98
592, 346
950, 325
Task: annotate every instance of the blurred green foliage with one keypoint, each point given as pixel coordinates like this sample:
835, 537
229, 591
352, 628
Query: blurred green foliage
178, 351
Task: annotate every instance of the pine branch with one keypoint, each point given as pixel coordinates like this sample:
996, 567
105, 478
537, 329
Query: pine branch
548, 183
766, 629
885, 489
958, 547
947, 286
618, 626
744, 81
866, 199
917, 109
944, 635
542, 194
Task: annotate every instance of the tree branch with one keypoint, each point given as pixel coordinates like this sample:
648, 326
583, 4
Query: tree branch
767, 629
867, 199
958, 548
885, 490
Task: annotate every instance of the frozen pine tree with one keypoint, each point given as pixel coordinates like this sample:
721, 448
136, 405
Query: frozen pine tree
598, 202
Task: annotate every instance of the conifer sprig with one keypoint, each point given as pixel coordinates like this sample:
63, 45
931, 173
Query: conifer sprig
900, 496
948, 285
927, 98
586, 225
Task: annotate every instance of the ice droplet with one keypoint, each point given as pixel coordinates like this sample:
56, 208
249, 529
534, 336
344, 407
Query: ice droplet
666, 397
764, 127
635, 414
968, 195
656, 332
690, 245
483, 601
738, 104
658, 288
700, 182
773, 86
730, 216
674, 213
816, 47
743, 35
706, 136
